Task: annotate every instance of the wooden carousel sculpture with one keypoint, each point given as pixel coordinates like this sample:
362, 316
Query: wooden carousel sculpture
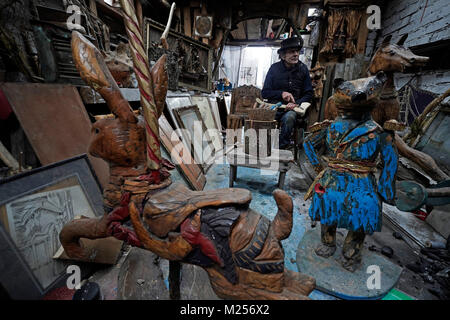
239, 248
391, 58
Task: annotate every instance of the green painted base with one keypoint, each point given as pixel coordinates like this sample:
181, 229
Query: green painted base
333, 279
396, 294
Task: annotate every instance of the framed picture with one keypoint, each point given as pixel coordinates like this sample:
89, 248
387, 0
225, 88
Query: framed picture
206, 112
175, 100
175, 150
199, 141
215, 110
34, 207
194, 65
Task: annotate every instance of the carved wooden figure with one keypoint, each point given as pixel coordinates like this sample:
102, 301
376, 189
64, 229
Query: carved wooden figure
391, 58
239, 248
120, 65
345, 193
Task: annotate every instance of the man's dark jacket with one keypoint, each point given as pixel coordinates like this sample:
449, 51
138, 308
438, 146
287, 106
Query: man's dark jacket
295, 80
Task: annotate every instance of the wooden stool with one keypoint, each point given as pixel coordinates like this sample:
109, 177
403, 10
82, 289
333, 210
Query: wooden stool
279, 160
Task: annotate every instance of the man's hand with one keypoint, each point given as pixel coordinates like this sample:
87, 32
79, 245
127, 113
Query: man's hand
287, 97
291, 106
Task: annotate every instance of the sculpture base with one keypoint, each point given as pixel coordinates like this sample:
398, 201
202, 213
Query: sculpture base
333, 279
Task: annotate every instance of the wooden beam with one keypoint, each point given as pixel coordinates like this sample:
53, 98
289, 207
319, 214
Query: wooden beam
254, 42
204, 13
196, 13
303, 16
280, 29
93, 7
178, 15
222, 45
362, 34
187, 21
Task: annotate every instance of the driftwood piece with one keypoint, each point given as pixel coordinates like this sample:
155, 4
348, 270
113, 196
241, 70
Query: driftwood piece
420, 124
426, 162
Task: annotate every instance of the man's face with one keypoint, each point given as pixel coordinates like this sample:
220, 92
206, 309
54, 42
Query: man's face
291, 56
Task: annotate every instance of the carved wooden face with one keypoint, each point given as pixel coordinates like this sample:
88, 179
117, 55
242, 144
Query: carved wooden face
391, 57
359, 94
118, 142
245, 102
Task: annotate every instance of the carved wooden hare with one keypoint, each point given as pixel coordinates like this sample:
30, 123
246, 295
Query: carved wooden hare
239, 248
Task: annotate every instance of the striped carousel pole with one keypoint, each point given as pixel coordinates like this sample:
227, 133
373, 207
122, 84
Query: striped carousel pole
142, 70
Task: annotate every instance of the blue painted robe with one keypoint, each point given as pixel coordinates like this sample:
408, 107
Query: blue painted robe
353, 200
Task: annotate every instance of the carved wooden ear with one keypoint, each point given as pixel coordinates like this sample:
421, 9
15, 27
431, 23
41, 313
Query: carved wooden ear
402, 40
93, 70
337, 82
386, 40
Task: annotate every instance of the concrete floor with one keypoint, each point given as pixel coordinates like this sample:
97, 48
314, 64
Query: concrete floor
263, 183
194, 280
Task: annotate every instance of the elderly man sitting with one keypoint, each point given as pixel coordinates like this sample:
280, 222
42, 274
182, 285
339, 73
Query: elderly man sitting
288, 81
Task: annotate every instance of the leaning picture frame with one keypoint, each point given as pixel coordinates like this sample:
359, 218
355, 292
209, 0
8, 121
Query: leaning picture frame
34, 206
196, 137
207, 114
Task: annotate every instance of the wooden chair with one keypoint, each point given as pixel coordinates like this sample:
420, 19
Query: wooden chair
243, 99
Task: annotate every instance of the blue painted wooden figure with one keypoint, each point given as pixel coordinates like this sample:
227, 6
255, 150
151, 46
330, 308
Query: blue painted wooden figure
346, 193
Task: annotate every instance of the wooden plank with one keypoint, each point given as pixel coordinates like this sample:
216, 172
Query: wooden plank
362, 34
327, 90
181, 156
196, 13
303, 16
415, 231
239, 33
93, 7
178, 15
187, 21
203, 6
55, 122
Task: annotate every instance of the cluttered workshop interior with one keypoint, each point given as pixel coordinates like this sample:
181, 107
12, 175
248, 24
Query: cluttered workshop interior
224, 150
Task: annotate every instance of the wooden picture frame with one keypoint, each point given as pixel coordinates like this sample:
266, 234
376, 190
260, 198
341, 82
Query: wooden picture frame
152, 33
215, 110
34, 206
186, 118
175, 100
180, 155
205, 107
